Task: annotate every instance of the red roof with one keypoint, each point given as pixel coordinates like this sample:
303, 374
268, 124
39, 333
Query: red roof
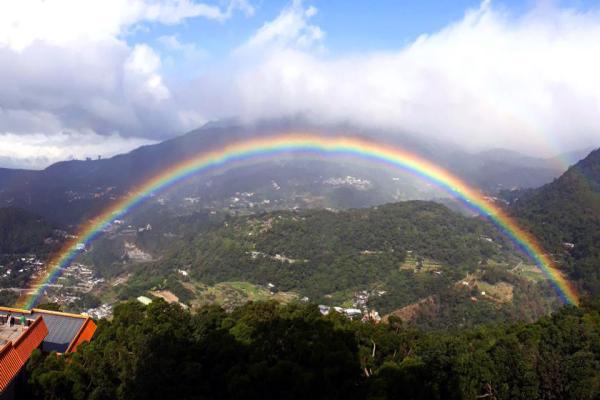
31, 338
14, 356
10, 365
61, 331
84, 335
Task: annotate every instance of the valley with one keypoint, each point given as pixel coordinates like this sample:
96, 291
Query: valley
378, 260
288, 239
299, 199
279, 259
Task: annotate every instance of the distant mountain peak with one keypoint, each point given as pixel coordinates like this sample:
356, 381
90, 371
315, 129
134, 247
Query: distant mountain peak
586, 171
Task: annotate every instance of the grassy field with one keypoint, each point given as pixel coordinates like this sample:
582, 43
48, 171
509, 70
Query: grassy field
411, 263
501, 292
530, 272
233, 294
343, 298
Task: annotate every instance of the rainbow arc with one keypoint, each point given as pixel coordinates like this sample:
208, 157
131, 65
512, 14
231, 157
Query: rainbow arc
279, 145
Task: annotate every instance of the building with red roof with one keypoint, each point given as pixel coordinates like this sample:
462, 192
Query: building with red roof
23, 331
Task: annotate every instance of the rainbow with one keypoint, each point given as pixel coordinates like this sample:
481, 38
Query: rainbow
278, 145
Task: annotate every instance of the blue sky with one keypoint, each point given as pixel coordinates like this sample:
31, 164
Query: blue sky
350, 26
89, 77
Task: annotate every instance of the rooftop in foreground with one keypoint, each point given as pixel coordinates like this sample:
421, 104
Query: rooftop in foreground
23, 331
65, 331
11, 328
20, 336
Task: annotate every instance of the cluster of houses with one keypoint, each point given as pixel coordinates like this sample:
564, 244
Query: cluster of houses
349, 312
19, 265
75, 280
364, 315
80, 276
359, 309
349, 181
100, 312
96, 193
246, 200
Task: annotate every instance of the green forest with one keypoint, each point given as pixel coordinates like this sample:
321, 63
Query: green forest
566, 213
409, 251
269, 351
463, 345
22, 235
22, 232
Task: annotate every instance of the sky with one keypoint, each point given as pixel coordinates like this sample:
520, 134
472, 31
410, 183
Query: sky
82, 78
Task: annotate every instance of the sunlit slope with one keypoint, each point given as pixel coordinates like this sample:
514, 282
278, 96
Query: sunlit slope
565, 215
400, 253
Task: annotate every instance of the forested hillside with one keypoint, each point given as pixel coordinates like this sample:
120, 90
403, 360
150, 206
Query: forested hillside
399, 254
268, 351
565, 215
25, 241
21, 231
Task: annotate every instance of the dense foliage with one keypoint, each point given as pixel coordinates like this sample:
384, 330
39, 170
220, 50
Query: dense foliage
25, 239
325, 251
21, 231
409, 250
268, 351
567, 212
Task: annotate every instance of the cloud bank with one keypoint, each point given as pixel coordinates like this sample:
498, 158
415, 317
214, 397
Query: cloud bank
492, 79
33, 151
525, 82
66, 70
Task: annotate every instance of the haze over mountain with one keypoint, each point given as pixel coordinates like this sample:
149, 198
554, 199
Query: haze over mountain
69, 190
416, 260
291, 268
189, 234
565, 215
114, 77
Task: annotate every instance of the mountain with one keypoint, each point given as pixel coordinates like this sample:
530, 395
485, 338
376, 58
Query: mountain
72, 191
26, 240
573, 157
565, 215
499, 169
22, 232
385, 258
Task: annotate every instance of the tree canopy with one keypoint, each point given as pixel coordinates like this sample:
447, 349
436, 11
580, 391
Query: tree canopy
269, 351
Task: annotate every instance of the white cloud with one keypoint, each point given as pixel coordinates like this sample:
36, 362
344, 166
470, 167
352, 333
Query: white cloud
35, 151
106, 88
143, 64
173, 11
61, 22
290, 29
143, 60
490, 79
170, 42
188, 55
65, 66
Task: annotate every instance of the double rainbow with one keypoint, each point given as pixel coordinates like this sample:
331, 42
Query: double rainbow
278, 145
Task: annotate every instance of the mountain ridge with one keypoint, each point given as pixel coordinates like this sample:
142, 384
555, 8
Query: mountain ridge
565, 216
71, 191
